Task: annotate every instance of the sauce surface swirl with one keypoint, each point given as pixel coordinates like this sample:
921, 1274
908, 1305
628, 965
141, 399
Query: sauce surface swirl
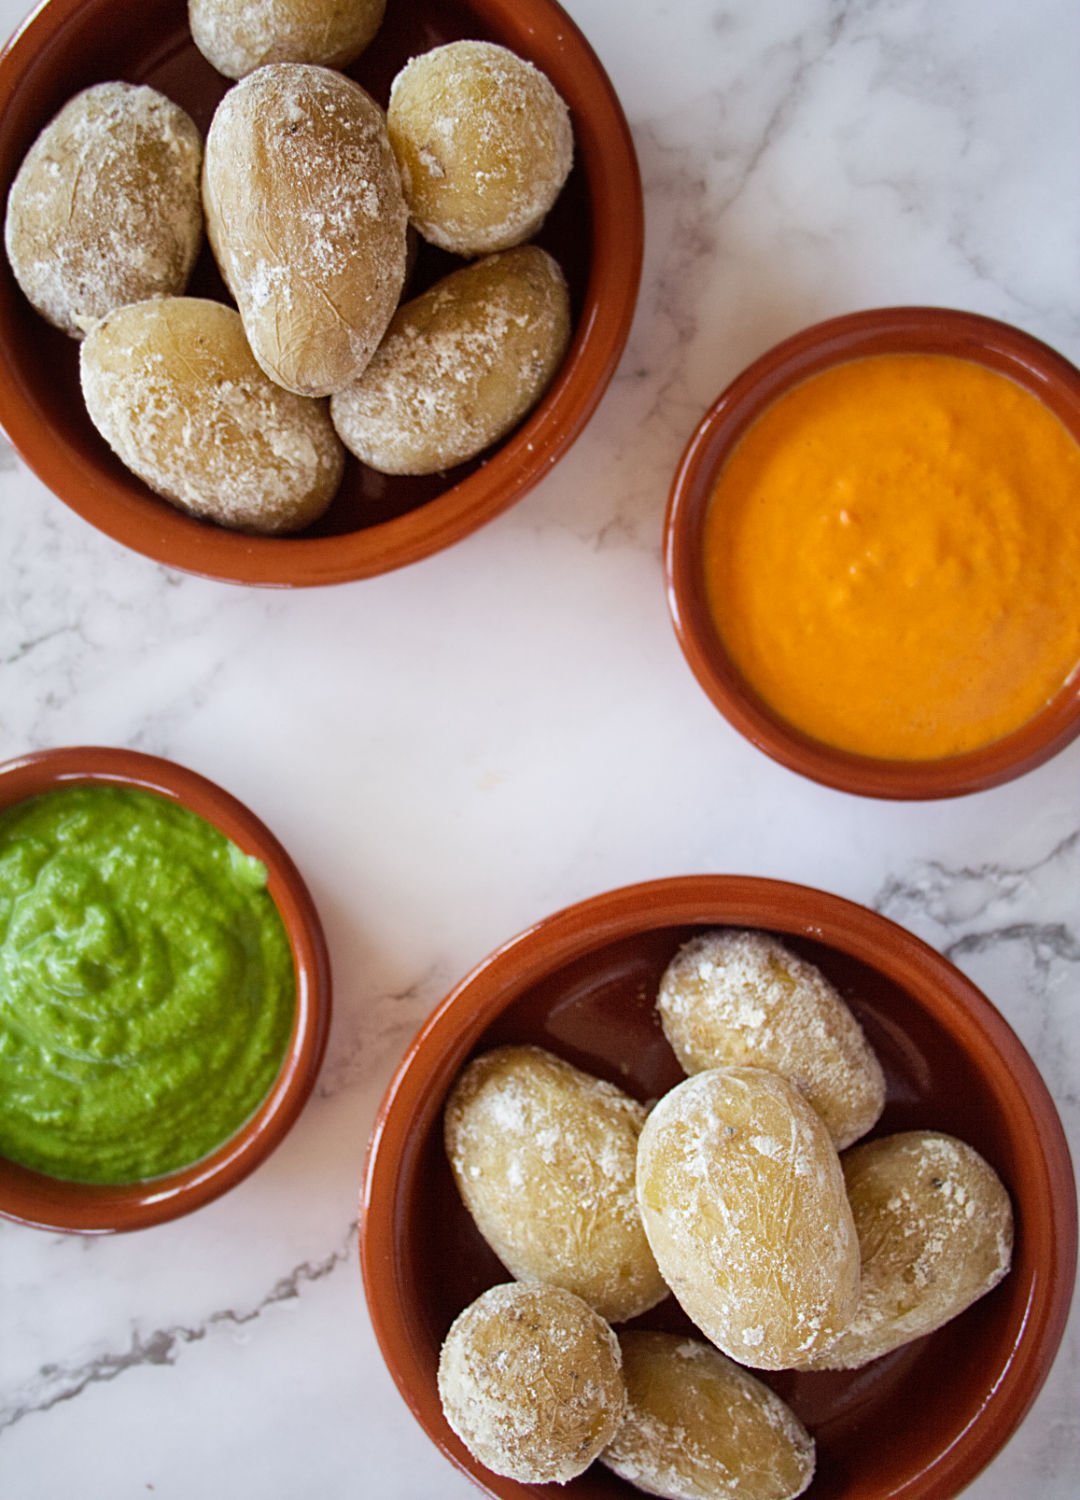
892, 556
147, 991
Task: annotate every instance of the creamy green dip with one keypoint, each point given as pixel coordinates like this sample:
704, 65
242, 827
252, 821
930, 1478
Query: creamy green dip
147, 993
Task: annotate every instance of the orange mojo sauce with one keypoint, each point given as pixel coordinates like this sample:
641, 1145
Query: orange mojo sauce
892, 556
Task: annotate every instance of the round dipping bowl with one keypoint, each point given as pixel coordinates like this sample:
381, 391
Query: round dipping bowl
898, 330
50, 1203
923, 1420
377, 522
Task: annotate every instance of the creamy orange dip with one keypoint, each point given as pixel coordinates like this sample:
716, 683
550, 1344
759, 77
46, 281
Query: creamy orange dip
892, 556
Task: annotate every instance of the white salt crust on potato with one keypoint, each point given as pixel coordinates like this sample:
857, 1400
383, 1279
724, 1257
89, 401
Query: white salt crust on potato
238, 38
172, 387
744, 1204
935, 1231
733, 997
544, 1157
484, 142
530, 1379
697, 1427
306, 217
105, 208
460, 365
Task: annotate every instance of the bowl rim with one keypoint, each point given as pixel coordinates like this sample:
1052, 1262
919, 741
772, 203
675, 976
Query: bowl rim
914, 329
42, 1202
445, 1039
605, 150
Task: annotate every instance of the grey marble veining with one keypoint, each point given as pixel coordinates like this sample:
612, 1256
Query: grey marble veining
453, 751
53, 1384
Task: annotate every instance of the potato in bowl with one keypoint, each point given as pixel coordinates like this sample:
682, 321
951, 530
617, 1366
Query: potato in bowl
583, 984
376, 522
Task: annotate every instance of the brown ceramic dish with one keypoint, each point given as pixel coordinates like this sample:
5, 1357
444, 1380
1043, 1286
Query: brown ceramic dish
920, 330
376, 523
47, 1203
920, 1422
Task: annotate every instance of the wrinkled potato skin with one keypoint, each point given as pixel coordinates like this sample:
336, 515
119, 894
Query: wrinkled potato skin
743, 1202
459, 366
306, 218
544, 1156
484, 143
935, 1234
105, 208
238, 38
697, 1427
530, 1379
172, 387
731, 997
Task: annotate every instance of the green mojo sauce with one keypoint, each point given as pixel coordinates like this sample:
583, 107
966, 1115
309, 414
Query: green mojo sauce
147, 993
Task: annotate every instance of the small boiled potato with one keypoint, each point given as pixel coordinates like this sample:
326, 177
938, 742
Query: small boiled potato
742, 997
460, 365
743, 1202
697, 1427
306, 217
171, 386
530, 1379
484, 143
544, 1157
105, 208
935, 1234
237, 39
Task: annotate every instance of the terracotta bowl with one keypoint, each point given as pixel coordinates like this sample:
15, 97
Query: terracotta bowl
376, 523
48, 1203
896, 330
920, 1422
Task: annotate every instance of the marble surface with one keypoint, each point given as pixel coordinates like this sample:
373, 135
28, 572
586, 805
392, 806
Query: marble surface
455, 750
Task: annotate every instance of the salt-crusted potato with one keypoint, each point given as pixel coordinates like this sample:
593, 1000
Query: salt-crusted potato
105, 208
237, 39
697, 1427
741, 997
459, 366
484, 143
744, 1206
530, 1379
305, 215
171, 386
935, 1234
544, 1158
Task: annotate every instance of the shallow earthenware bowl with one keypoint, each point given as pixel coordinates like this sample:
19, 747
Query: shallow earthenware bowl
922, 1421
376, 523
48, 1203
896, 330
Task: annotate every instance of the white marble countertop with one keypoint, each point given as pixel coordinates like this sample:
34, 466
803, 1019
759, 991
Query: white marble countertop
455, 750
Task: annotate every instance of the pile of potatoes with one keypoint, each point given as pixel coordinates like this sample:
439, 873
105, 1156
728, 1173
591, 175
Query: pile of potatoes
306, 191
730, 1193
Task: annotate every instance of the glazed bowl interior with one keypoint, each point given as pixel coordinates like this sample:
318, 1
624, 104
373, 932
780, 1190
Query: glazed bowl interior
921, 1421
50, 1203
377, 522
904, 330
